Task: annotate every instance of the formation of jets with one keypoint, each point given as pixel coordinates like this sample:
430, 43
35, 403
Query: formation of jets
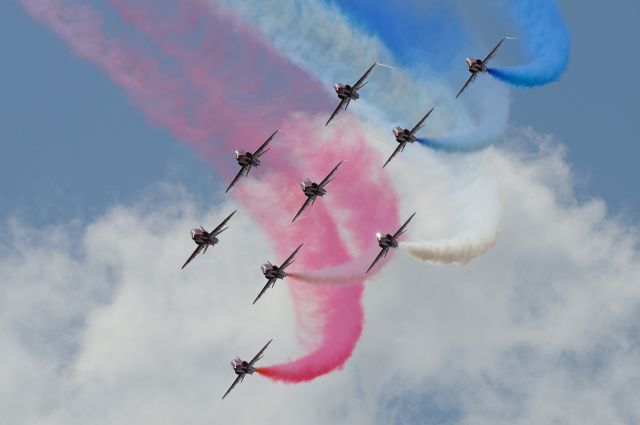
247, 160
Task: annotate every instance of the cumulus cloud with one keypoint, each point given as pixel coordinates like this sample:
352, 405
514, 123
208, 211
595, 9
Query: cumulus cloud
99, 325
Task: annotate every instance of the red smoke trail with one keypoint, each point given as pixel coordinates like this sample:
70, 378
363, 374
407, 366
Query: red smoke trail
210, 92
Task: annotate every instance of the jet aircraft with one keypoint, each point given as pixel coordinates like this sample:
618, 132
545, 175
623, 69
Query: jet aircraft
477, 66
347, 93
246, 160
203, 239
312, 190
388, 241
243, 367
273, 273
404, 136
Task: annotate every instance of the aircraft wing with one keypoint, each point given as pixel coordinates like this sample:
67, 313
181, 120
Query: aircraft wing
304, 206
403, 227
269, 283
329, 177
243, 169
259, 355
493, 52
219, 229
196, 252
421, 123
261, 150
469, 81
360, 82
290, 260
383, 253
238, 379
395, 152
340, 106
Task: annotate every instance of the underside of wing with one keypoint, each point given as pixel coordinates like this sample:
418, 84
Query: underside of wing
383, 252
395, 152
469, 81
237, 177
360, 82
403, 227
269, 283
193, 255
327, 179
493, 52
261, 149
220, 226
259, 355
238, 379
421, 122
338, 108
290, 260
304, 206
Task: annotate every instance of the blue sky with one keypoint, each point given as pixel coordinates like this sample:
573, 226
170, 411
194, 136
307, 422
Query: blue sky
73, 143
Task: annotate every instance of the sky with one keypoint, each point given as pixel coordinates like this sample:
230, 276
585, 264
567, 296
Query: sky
98, 324
71, 177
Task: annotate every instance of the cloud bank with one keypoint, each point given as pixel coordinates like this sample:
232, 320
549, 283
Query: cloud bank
99, 326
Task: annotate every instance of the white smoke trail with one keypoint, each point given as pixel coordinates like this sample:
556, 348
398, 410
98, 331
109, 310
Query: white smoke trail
460, 220
449, 251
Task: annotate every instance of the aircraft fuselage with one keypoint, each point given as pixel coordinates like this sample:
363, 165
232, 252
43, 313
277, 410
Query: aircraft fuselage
403, 135
386, 241
345, 91
241, 367
476, 65
312, 189
201, 237
272, 272
246, 158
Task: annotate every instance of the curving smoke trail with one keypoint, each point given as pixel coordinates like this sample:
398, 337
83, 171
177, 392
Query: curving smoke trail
547, 44
458, 250
215, 85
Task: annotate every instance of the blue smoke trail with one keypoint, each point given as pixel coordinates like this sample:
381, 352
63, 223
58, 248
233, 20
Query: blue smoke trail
547, 43
464, 144
421, 35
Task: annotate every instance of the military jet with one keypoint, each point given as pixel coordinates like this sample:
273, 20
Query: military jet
242, 367
273, 273
477, 66
404, 136
347, 93
203, 239
246, 160
388, 241
312, 190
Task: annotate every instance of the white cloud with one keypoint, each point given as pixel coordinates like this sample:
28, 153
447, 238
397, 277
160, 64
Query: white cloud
99, 325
